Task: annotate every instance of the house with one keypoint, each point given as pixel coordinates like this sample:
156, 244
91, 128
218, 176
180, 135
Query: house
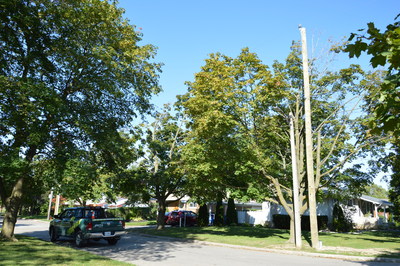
368, 212
365, 212
251, 212
181, 203
264, 216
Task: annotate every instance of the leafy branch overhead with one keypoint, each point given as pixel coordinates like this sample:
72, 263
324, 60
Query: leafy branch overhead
384, 48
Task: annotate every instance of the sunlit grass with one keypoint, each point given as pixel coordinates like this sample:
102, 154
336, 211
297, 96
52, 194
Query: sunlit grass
141, 223
31, 251
36, 217
363, 240
384, 244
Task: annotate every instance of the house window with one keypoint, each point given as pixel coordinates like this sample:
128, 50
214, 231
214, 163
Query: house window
192, 205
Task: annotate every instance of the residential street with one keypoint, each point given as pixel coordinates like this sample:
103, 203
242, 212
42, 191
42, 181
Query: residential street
145, 250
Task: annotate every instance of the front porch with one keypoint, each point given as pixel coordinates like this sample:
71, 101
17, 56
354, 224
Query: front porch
368, 212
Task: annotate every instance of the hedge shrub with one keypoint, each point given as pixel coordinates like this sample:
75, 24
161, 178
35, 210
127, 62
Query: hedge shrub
130, 213
282, 221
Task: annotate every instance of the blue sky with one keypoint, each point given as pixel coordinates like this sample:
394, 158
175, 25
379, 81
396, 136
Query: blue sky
186, 31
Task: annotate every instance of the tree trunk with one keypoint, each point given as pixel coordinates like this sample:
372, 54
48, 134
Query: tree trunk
161, 214
12, 205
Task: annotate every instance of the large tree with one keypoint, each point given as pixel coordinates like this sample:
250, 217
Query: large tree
156, 172
227, 95
376, 191
238, 110
384, 48
83, 175
384, 101
71, 74
394, 191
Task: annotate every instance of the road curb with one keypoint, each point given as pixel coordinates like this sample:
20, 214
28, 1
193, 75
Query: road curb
310, 254
281, 251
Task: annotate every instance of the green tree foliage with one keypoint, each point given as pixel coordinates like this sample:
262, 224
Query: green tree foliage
157, 172
71, 74
239, 141
83, 177
384, 102
394, 190
376, 191
223, 103
231, 213
384, 48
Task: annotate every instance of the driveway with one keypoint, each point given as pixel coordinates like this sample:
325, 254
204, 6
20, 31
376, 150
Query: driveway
147, 250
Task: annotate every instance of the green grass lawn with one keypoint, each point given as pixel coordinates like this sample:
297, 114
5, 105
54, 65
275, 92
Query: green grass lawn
364, 240
141, 223
36, 217
31, 251
384, 243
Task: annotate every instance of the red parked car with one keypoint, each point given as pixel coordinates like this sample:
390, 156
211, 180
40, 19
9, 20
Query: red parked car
183, 218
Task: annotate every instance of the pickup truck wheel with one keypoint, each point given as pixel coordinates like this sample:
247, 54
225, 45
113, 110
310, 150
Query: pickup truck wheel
79, 240
112, 241
53, 234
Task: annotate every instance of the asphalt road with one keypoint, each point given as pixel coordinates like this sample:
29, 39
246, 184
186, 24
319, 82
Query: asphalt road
145, 250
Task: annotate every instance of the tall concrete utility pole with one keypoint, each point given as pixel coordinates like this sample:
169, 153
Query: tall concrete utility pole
49, 208
296, 203
312, 205
57, 206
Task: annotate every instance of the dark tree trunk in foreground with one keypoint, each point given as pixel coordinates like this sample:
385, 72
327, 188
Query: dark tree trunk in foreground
12, 205
161, 214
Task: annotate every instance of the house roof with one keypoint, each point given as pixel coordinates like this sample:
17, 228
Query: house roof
381, 202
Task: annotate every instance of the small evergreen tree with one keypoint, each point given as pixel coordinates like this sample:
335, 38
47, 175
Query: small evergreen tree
231, 214
202, 219
341, 223
219, 212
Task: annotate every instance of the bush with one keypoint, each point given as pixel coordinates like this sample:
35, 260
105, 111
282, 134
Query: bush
341, 222
282, 221
202, 219
231, 213
131, 213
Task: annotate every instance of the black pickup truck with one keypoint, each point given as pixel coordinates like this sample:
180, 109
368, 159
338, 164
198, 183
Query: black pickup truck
84, 223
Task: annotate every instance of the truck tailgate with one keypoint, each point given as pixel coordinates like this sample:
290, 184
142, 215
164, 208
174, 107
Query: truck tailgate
108, 225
